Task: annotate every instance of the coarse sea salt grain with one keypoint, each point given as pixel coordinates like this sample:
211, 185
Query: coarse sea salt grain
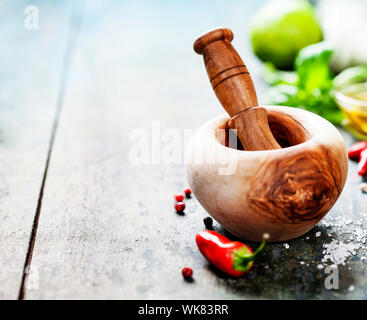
337, 252
318, 234
286, 245
350, 235
351, 288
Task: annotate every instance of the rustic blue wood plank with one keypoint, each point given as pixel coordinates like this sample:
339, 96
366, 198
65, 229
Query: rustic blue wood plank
30, 70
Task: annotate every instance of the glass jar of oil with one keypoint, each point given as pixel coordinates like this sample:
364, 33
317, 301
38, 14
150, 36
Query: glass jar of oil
352, 100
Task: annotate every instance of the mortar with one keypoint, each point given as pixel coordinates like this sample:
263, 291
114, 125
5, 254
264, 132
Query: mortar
289, 169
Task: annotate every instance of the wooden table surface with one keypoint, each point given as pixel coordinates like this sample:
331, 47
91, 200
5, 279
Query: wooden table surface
79, 220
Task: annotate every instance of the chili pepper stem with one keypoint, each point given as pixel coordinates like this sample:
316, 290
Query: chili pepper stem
243, 261
261, 247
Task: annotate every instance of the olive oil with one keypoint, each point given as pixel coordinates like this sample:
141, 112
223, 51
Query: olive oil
353, 102
358, 115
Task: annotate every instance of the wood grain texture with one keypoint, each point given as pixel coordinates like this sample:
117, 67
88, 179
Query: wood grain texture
235, 89
298, 187
254, 121
283, 192
286, 130
31, 67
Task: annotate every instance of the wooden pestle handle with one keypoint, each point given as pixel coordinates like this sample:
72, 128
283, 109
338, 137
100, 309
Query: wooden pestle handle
235, 90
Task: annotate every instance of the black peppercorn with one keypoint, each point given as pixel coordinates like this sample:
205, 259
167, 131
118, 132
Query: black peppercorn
208, 223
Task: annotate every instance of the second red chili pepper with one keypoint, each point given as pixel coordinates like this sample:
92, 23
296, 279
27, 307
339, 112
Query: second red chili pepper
232, 257
362, 164
356, 149
358, 152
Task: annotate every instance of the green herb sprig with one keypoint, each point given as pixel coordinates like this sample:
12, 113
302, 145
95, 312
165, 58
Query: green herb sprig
309, 87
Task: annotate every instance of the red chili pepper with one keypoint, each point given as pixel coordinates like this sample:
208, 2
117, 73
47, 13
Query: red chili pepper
362, 164
232, 257
355, 150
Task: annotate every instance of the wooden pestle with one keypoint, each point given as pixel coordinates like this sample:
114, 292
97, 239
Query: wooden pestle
235, 90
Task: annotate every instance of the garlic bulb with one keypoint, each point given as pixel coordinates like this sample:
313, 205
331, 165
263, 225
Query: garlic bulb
344, 24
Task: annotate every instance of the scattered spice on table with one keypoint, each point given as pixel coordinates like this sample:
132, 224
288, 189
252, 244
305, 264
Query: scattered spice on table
187, 273
208, 222
179, 197
188, 193
180, 207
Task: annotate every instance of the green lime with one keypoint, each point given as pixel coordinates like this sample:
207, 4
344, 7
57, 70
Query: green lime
281, 28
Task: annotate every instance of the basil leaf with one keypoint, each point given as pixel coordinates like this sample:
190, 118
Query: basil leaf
312, 67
